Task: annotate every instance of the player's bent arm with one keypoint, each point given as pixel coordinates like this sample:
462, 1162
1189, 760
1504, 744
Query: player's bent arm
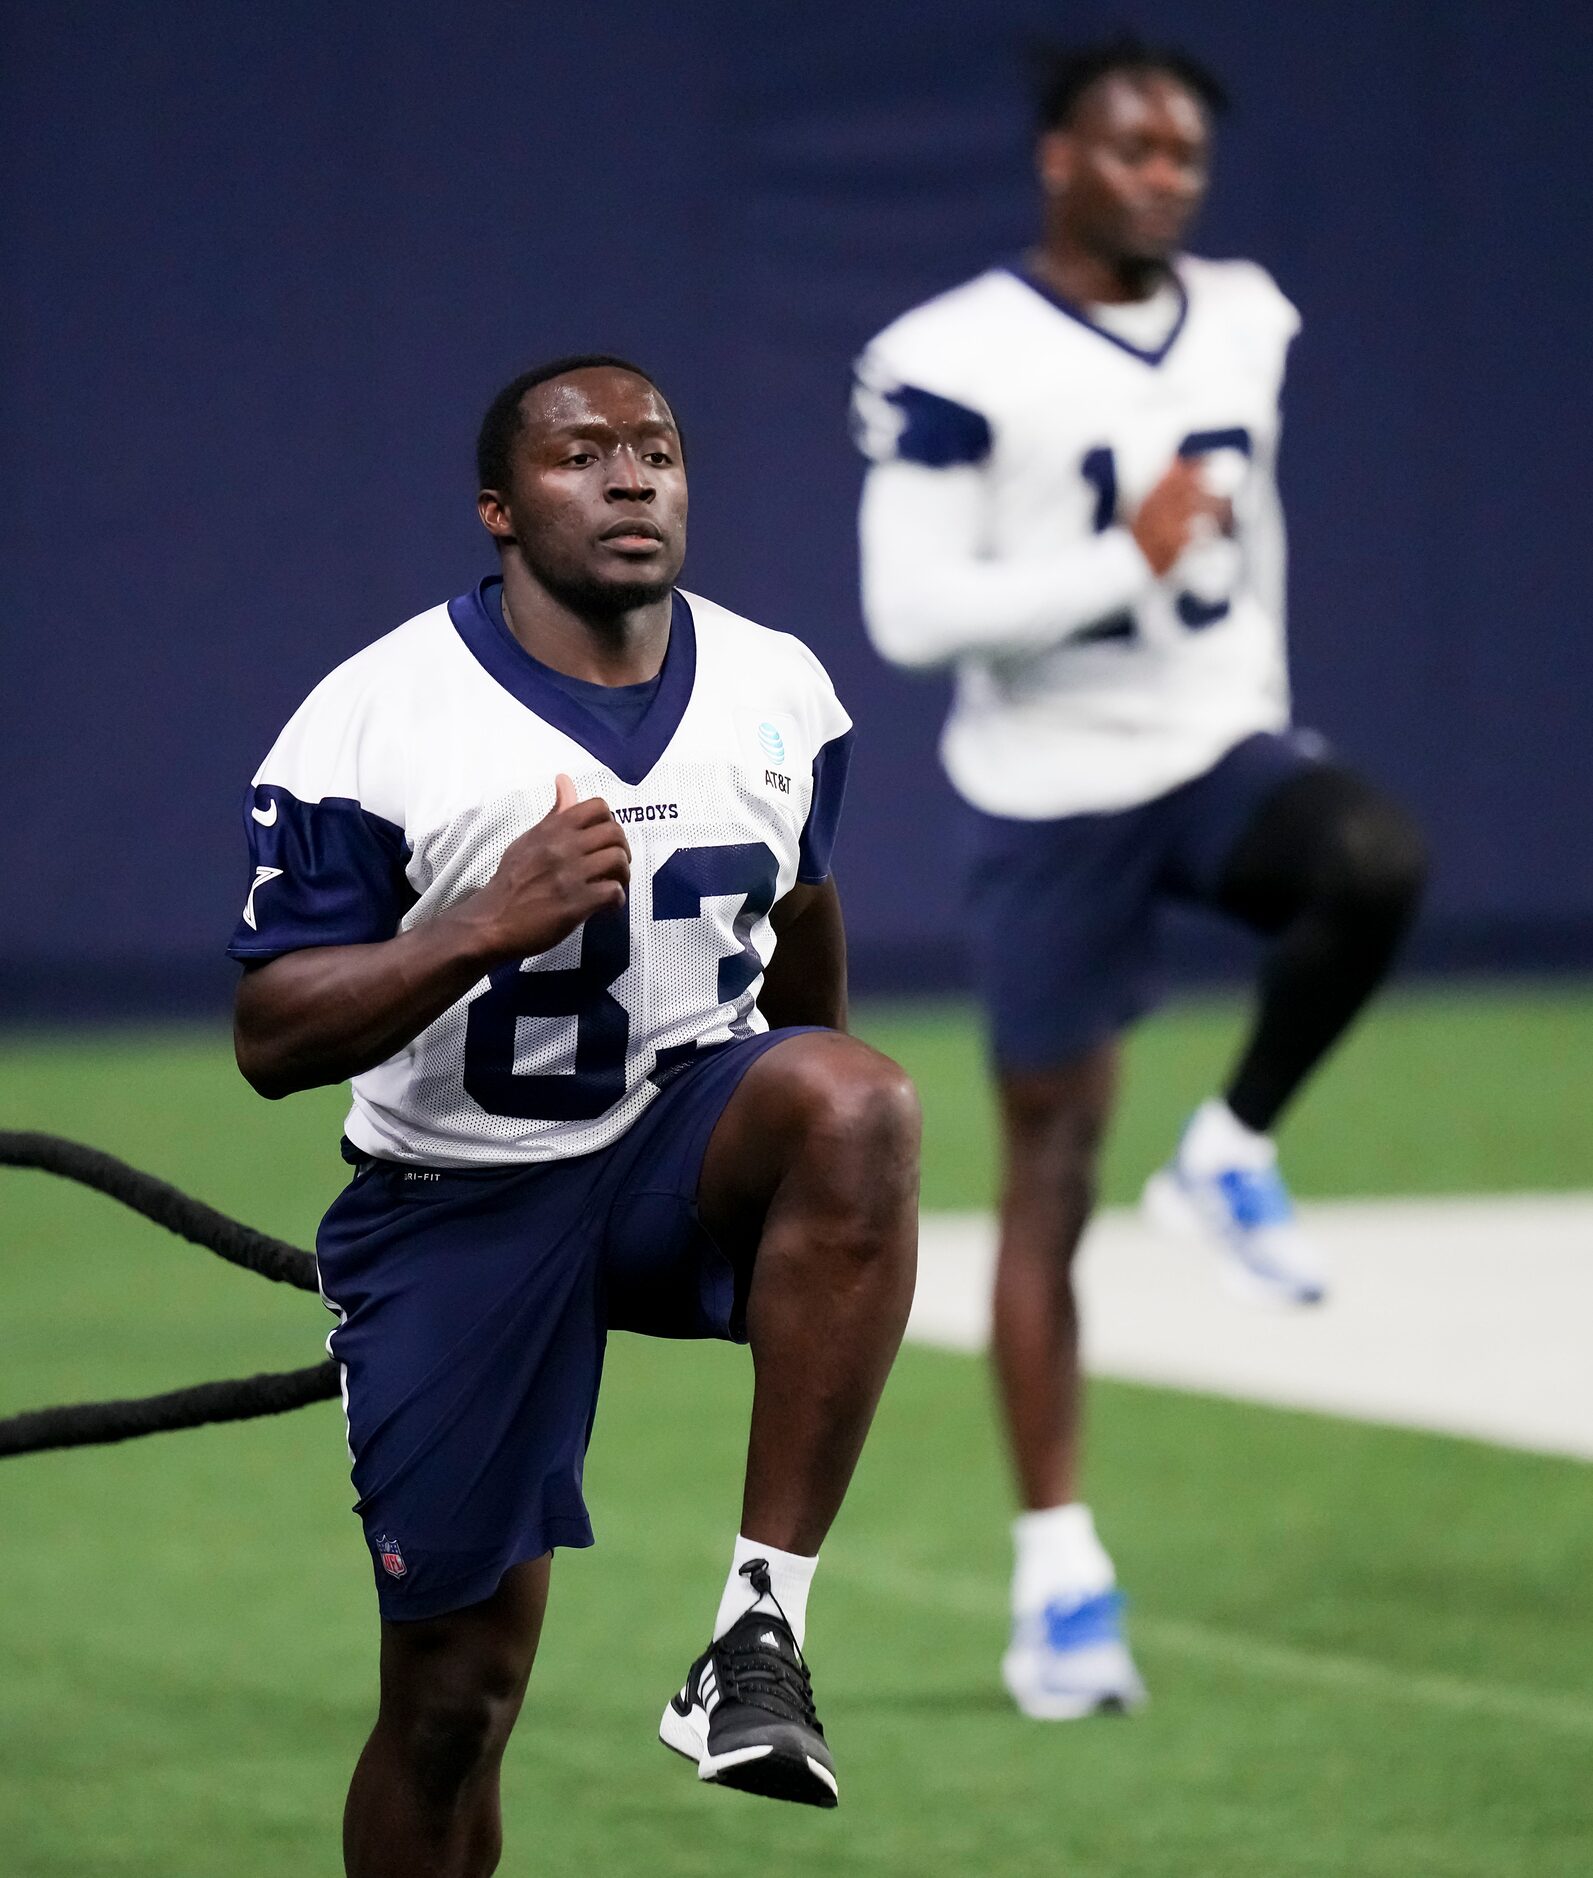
805, 982
324, 1013
930, 595
330, 1012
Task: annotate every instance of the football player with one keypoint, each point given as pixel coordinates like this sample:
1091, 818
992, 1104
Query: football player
1071, 503
546, 872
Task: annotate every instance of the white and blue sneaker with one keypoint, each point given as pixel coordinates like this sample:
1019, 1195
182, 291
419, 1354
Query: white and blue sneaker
1223, 1187
1069, 1659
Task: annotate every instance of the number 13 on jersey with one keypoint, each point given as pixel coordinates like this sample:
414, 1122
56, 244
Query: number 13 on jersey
1099, 470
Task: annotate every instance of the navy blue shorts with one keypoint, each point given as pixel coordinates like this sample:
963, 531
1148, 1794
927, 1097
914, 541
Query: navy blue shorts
474, 1308
1063, 914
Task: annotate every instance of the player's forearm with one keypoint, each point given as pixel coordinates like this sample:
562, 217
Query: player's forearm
942, 610
319, 1016
930, 596
805, 982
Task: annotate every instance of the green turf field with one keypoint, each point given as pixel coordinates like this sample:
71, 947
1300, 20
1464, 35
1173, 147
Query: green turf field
1370, 1652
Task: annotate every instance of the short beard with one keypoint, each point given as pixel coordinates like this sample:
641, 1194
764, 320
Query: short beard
600, 601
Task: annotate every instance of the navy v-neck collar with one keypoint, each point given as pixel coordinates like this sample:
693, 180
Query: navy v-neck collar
1074, 311
630, 756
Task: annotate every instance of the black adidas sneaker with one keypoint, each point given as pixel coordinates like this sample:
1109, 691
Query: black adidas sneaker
746, 1713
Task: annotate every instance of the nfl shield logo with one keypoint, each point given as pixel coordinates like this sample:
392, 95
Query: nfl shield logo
392, 1559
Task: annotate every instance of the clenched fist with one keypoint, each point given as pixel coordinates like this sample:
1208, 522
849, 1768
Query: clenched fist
575, 862
1175, 509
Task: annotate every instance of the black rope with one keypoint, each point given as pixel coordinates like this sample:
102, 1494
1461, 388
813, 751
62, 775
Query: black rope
165, 1204
90, 1424
87, 1424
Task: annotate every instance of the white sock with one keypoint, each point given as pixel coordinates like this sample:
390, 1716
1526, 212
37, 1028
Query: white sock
790, 1576
1216, 1139
1058, 1558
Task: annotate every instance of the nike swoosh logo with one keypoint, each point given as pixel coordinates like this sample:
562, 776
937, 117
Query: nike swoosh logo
265, 820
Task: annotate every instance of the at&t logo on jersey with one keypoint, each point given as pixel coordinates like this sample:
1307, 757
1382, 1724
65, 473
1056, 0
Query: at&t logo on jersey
392, 1559
773, 745
771, 742
774, 742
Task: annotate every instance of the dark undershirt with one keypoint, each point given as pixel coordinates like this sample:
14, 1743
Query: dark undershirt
621, 707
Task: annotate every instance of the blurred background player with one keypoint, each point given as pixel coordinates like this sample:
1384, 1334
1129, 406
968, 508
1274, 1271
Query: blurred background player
1071, 501
546, 871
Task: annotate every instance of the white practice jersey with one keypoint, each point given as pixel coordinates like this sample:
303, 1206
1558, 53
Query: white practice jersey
1009, 435
398, 784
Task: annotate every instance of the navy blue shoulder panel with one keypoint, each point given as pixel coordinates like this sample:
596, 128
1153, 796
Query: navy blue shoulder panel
630, 754
830, 769
938, 432
326, 873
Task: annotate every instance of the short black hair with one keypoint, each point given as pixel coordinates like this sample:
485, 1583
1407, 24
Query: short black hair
505, 420
1064, 73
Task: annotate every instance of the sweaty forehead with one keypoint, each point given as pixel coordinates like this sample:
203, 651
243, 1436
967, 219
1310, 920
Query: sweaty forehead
1139, 103
598, 394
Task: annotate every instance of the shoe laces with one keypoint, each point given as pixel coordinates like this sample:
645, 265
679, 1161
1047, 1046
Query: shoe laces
752, 1672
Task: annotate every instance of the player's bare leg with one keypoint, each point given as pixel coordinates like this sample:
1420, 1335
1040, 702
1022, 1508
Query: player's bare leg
818, 1153
1067, 1657
424, 1799
1052, 1124
814, 1161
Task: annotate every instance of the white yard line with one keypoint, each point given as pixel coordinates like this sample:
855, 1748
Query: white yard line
1470, 1316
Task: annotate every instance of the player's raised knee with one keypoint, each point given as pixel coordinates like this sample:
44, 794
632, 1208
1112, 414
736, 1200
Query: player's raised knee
863, 1107
1380, 861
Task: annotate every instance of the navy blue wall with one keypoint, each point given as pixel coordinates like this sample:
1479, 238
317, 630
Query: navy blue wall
265, 265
